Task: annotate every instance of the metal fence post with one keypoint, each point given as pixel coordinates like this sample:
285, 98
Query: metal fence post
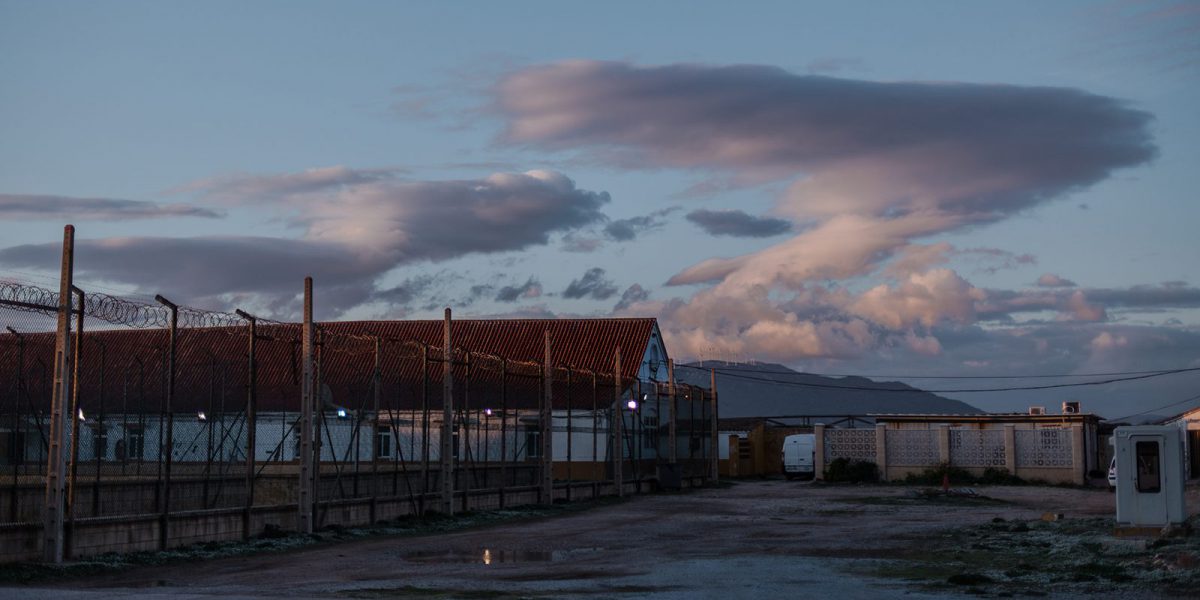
307, 402
672, 439
378, 376
447, 418
251, 422
618, 423
73, 469
169, 446
56, 464
547, 430
713, 455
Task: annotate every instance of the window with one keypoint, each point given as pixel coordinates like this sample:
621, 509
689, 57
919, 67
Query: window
135, 438
383, 442
99, 442
13, 446
1148, 479
650, 433
533, 443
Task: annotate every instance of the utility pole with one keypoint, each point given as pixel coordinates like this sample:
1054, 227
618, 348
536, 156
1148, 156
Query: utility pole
56, 456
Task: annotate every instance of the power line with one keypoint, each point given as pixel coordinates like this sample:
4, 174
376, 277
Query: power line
876, 375
1185, 401
964, 390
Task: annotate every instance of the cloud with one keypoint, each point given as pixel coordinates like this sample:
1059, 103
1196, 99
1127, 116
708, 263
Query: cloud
532, 288
407, 292
623, 230
354, 231
925, 299
1051, 280
871, 168
207, 270
1107, 341
593, 285
67, 208
936, 156
575, 242
1087, 304
737, 223
245, 187
632, 295
877, 146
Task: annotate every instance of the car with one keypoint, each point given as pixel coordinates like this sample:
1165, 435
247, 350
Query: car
1112, 475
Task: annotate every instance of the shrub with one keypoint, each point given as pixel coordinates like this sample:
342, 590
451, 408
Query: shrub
935, 475
958, 476
999, 476
851, 471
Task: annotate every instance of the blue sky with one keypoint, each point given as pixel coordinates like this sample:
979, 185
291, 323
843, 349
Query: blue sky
929, 162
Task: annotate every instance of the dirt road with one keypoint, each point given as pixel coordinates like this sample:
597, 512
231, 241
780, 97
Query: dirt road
765, 539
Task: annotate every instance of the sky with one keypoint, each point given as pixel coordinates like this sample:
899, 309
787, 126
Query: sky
899, 190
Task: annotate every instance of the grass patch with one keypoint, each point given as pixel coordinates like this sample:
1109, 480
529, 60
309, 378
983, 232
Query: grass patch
1072, 556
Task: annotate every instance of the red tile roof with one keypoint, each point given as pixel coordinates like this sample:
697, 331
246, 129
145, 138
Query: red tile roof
125, 369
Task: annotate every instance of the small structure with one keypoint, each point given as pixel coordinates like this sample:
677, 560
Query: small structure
1150, 476
1188, 424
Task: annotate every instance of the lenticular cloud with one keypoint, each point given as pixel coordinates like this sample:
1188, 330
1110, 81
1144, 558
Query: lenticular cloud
871, 169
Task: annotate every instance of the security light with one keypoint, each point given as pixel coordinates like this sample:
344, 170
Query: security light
487, 411
200, 416
632, 404
341, 413
81, 417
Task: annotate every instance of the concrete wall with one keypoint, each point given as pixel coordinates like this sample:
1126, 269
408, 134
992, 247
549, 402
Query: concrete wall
131, 533
1054, 455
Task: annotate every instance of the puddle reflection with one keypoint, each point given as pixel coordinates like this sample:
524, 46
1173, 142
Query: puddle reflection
486, 556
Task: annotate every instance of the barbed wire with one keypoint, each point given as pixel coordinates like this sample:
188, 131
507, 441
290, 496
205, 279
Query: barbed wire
115, 310
111, 309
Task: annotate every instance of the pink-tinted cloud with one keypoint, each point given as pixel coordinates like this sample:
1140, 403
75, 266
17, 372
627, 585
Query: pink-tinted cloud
1051, 280
872, 168
356, 228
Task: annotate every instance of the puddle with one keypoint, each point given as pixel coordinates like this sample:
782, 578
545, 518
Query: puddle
494, 556
485, 556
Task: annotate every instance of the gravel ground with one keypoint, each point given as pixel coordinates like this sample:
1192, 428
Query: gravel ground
752, 539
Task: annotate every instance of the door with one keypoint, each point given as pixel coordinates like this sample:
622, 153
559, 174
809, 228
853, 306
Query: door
1149, 499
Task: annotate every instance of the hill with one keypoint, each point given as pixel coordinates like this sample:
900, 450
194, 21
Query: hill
771, 390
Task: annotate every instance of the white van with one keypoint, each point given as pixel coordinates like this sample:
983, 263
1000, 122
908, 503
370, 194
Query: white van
798, 455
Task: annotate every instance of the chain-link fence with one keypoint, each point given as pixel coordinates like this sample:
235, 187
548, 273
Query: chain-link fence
187, 425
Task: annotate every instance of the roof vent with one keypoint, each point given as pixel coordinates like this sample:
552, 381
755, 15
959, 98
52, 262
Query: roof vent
1071, 407
1037, 410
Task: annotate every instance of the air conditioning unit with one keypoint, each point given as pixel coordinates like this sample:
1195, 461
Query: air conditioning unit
1071, 408
1037, 410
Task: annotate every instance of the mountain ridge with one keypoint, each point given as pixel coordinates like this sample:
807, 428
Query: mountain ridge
774, 390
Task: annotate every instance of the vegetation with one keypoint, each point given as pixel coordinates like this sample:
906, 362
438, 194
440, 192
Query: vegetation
937, 475
845, 470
